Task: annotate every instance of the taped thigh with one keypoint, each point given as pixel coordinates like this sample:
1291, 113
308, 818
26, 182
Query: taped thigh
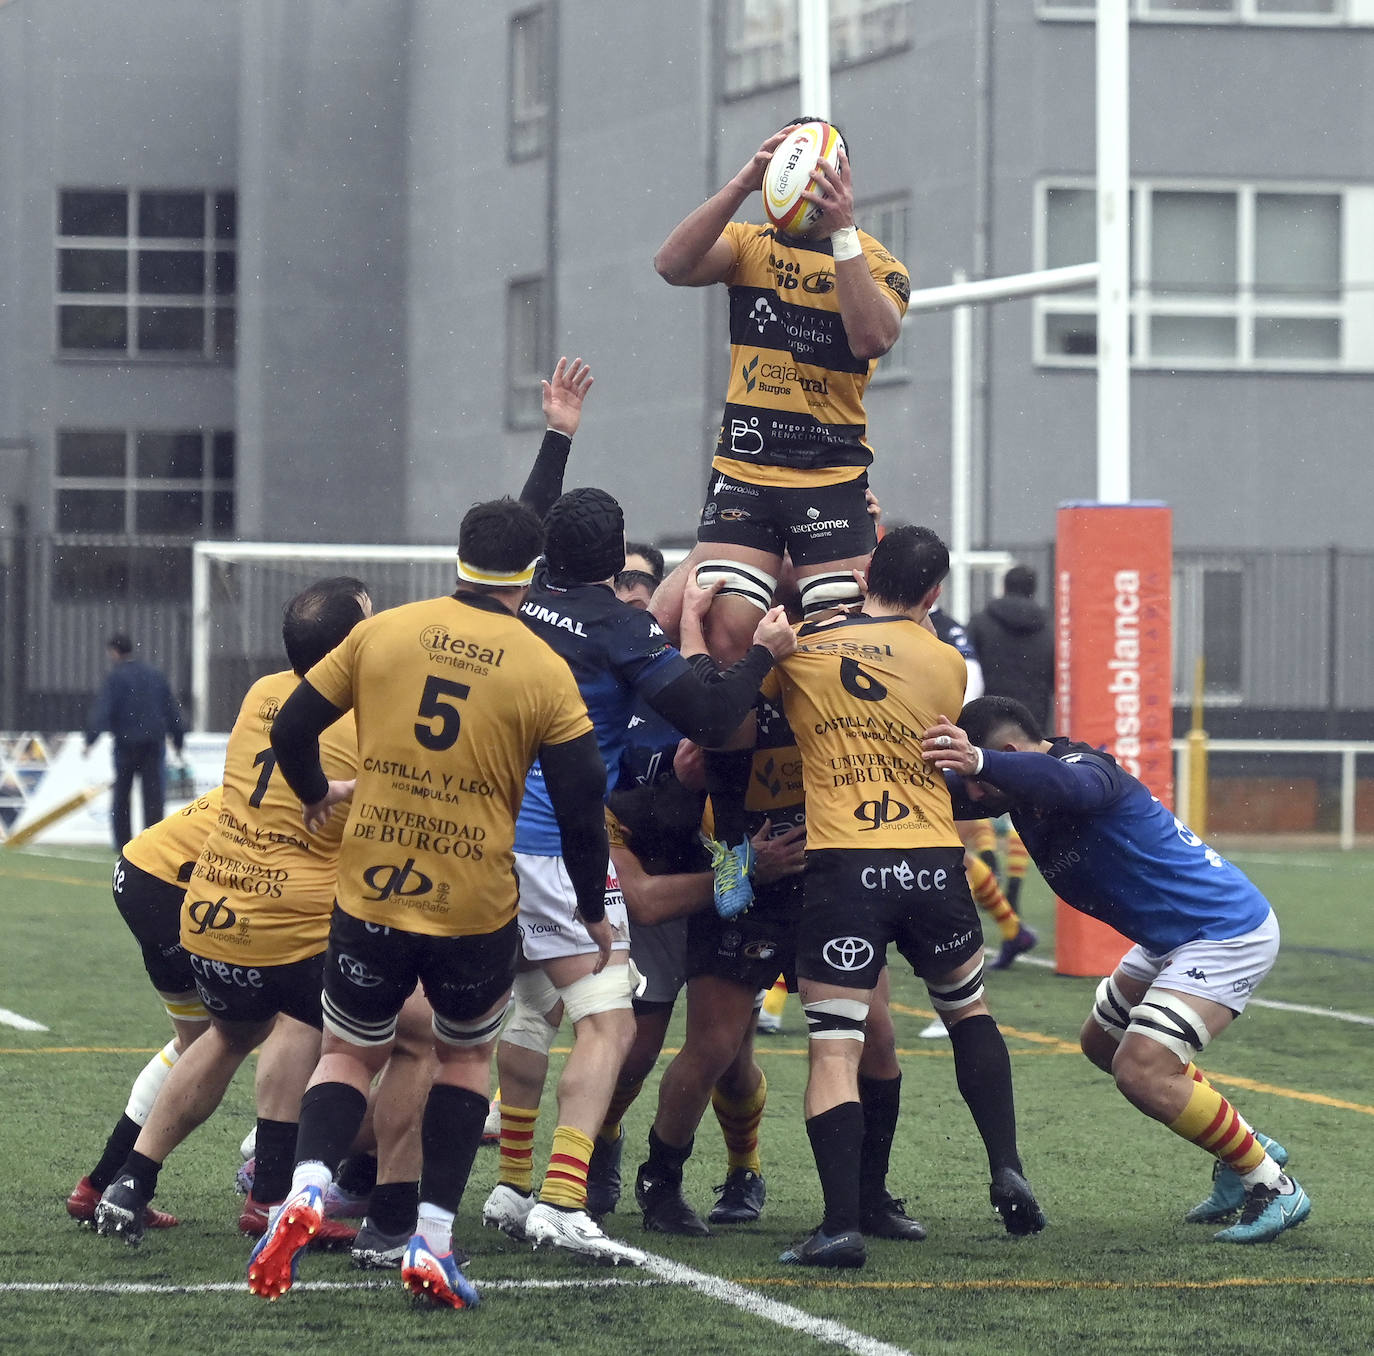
823, 592
836, 1019
955, 997
1111, 1010
609, 991
478, 1031
533, 998
1164, 1017
738, 581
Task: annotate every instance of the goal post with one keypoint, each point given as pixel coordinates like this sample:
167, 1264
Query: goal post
239, 589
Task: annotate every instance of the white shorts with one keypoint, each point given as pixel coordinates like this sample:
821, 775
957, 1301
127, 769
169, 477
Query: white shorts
1226, 972
548, 905
660, 955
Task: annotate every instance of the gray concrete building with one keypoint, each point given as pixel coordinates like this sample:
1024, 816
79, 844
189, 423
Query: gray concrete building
290, 270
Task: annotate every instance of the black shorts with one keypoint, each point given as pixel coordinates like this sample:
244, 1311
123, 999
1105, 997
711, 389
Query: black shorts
257, 993
754, 948
152, 911
813, 524
371, 970
859, 900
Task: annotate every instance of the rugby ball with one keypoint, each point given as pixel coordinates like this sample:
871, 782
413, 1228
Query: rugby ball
789, 175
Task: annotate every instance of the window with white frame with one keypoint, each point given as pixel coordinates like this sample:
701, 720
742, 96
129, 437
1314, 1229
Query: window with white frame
761, 47
1223, 276
145, 482
885, 219
526, 358
529, 84
1323, 13
146, 273
1209, 624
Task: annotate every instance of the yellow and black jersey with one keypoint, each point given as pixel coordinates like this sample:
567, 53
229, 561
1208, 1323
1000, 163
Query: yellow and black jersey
454, 697
169, 848
858, 692
776, 792
263, 886
794, 412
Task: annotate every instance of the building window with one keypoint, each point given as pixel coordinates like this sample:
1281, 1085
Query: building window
1314, 12
1209, 623
145, 483
146, 274
529, 84
885, 219
761, 47
1223, 277
527, 361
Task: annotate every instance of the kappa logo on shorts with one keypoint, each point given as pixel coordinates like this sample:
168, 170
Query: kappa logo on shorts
847, 953
356, 972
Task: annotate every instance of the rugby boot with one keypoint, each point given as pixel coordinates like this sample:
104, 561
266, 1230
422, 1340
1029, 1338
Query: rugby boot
436, 1280
1228, 1191
1013, 1199
820, 1249
739, 1199
1268, 1212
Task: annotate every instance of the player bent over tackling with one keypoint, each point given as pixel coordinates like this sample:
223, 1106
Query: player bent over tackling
1204, 937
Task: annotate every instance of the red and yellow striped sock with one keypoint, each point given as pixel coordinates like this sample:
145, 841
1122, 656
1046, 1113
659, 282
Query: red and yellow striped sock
1018, 859
987, 894
517, 1146
978, 836
739, 1123
775, 1000
565, 1182
621, 1100
1212, 1123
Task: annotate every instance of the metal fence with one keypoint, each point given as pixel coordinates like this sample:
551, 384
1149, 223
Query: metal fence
1288, 636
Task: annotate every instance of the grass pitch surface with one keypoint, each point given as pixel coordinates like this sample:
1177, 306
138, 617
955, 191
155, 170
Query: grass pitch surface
1117, 1272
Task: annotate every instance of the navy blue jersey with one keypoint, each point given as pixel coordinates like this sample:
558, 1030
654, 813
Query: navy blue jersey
617, 653
1108, 848
952, 633
650, 743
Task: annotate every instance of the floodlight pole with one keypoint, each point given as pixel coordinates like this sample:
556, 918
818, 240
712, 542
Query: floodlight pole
813, 44
1113, 252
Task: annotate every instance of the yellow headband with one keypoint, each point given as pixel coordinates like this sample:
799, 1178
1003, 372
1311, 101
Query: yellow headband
473, 574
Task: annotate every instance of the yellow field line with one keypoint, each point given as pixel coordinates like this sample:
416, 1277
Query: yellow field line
1230, 1283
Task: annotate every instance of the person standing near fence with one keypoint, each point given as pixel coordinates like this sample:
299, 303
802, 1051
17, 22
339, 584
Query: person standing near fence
135, 704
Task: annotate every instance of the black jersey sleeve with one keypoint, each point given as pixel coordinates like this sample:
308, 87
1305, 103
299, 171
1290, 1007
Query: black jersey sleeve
710, 712
576, 780
545, 481
296, 731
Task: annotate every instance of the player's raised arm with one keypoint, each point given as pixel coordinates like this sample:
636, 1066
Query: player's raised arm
694, 254
563, 394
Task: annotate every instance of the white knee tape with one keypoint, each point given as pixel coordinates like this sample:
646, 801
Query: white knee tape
1111, 1011
149, 1082
738, 581
477, 1031
821, 592
954, 997
836, 1019
185, 1007
528, 1029
613, 988
535, 990
1166, 1018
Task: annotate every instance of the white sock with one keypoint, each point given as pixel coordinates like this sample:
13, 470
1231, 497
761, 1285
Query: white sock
1268, 1174
435, 1226
313, 1173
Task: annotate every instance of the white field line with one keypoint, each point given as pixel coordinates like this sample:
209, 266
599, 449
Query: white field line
665, 1270
1357, 1018
9, 1018
241, 1287
760, 1306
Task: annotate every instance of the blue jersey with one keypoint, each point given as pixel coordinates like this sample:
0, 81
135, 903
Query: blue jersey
617, 653
650, 744
1108, 848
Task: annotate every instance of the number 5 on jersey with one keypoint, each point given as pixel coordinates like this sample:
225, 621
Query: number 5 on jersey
436, 705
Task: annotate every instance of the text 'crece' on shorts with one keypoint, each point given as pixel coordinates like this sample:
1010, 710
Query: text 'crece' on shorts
236, 992
858, 901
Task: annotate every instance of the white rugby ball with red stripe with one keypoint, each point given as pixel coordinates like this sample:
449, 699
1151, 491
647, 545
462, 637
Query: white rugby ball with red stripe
789, 175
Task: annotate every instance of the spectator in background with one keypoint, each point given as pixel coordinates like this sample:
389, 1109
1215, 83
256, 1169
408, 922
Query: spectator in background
136, 706
1015, 645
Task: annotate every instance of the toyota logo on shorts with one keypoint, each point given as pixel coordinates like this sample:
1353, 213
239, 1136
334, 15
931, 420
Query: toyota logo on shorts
847, 953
